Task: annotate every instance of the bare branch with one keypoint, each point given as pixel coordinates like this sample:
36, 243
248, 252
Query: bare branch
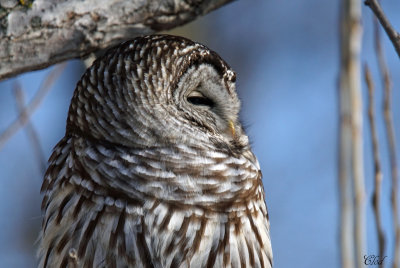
390, 135
350, 150
376, 198
390, 31
33, 105
47, 32
30, 130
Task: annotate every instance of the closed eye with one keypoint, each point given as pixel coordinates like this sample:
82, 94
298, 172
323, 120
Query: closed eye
200, 101
196, 98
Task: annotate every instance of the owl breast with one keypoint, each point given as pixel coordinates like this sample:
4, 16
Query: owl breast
159, 222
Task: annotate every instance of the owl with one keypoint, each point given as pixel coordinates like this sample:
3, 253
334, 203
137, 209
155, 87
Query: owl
155, 169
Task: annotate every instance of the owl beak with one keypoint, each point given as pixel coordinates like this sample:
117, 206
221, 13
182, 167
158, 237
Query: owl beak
232, 128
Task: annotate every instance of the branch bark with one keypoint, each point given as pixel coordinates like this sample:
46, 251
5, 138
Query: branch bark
351, 175
39, 34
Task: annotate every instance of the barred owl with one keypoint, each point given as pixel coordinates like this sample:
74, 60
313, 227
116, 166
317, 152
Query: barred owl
155, 169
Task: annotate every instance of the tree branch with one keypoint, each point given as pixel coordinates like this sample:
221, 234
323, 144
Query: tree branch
34, 36
376, 198
351, 172
390, 136
30, 130
33, 105
390, 31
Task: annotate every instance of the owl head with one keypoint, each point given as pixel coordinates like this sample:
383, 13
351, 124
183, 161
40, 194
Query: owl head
158, 90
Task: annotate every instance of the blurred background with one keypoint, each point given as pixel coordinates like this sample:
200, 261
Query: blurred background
286, 55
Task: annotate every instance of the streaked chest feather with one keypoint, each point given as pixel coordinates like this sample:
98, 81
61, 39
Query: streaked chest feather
155, 235
128, 217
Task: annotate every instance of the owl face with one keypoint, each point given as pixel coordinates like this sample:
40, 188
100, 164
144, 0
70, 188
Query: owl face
207, 102
158, 90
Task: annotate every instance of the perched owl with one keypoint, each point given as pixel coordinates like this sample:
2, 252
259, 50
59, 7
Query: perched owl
155, 169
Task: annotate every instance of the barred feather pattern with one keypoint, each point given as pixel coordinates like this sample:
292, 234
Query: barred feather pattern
143, 178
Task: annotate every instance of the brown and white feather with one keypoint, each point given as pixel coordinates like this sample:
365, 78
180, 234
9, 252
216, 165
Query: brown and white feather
144, 178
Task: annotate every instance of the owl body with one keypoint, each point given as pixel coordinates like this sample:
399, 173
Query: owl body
155, 169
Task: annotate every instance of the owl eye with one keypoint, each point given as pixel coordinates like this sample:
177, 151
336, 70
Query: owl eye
196, 98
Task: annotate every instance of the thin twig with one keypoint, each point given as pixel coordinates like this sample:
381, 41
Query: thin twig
376, 198
33, 105
390, 136
30, 130
390, 31
350, 150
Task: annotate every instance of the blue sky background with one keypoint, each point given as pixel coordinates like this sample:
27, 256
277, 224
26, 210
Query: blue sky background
286, 55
